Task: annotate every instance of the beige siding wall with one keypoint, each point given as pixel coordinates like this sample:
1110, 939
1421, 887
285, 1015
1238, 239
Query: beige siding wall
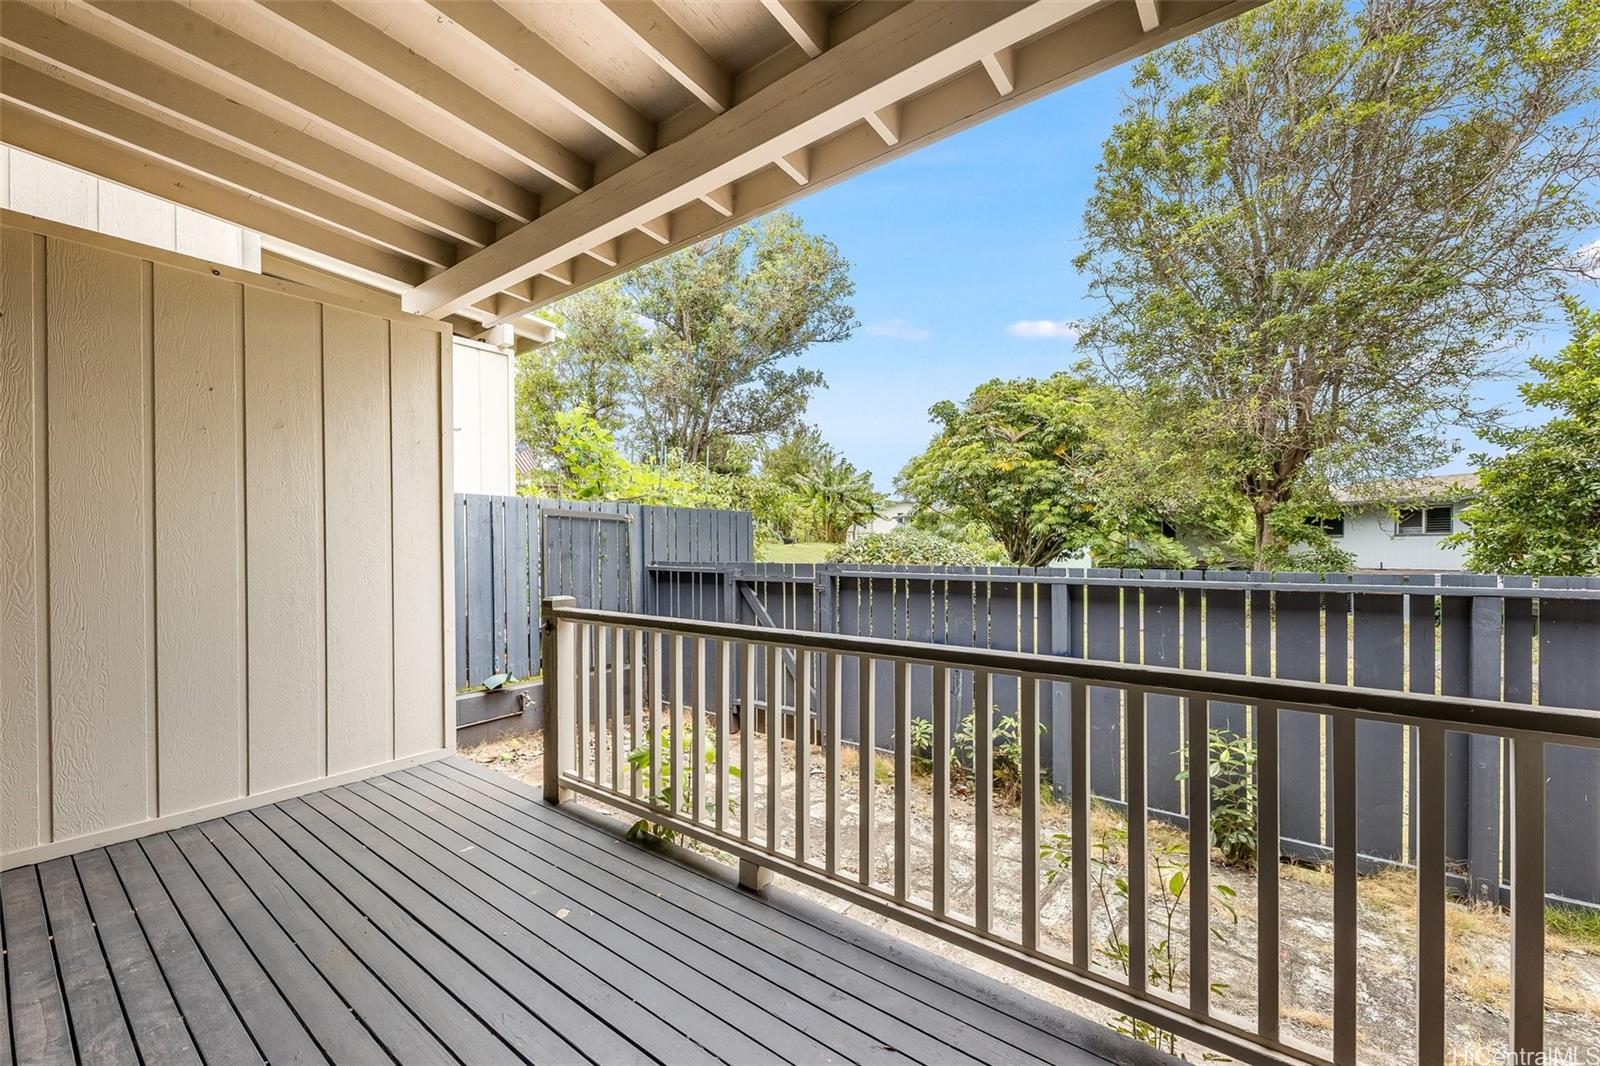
223, 538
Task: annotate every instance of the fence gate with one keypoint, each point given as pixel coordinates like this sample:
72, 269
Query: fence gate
588, 555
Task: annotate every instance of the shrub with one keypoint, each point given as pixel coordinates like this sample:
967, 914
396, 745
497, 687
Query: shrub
1231, 772
907, 547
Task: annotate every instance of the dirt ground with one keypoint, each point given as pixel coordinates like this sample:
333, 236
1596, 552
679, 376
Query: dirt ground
1478, 950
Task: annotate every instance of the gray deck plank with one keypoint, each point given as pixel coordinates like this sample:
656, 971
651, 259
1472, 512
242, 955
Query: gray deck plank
219, 1009
654, 1037
447, 913
153, 1016
854, 1026
388, 992
528, 1037
99, 1029
989, 1014
38, 1008
325, 1017
791, 999
536, 908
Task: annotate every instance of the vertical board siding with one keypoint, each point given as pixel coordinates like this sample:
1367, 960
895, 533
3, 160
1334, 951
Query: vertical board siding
283, 544
24, 618
356, 500
199, 523
198, 540
101, 648
418, 581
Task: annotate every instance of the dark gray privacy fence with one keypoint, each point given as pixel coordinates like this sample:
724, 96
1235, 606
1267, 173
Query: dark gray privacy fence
511, 551
1534, 641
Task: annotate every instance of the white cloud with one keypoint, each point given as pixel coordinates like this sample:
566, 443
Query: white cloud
900, 330
1587, 259
1045, 329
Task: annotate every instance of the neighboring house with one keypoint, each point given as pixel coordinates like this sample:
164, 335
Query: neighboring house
889, 518
1403, 525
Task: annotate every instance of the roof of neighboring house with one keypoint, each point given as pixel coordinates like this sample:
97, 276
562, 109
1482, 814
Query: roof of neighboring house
1434, 489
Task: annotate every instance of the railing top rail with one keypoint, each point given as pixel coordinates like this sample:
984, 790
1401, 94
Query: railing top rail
1564, 724
1225, 584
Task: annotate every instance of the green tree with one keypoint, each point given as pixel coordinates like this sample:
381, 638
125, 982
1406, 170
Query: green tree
724, 319
1317, 223
588, 365
1019, 458
837, 496
1538, 505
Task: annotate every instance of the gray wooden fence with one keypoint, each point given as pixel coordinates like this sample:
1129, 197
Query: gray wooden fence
511, 551
1533, 641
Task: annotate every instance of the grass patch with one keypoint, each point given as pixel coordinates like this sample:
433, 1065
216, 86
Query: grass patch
805, 551
1577, 926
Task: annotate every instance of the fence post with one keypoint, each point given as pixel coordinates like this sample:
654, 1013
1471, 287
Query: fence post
560, 699
1484, 790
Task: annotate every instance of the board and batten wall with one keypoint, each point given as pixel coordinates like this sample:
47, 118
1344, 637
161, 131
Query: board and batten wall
225, 543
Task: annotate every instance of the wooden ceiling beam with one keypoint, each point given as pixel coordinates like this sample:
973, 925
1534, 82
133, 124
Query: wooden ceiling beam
135, 82
917, 46
671, 48
805, 21
1002, 70
251, 64
569, 84
885, 122
1102, 37
1149, 17
42, 92
358, 39
47, 136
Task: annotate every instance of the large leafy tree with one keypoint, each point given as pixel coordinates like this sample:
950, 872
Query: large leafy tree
725, 319
1020, 459
1318, 225
836, 496
588, 366
1538, 508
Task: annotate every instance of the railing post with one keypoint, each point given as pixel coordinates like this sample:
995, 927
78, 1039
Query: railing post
1484, 787
560, 696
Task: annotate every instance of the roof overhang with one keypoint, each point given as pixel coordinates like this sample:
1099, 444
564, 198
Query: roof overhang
479, 159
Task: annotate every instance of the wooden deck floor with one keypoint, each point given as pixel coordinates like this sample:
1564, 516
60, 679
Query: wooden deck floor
446, 914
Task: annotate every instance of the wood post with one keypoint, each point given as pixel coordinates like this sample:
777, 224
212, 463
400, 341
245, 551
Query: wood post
561, 703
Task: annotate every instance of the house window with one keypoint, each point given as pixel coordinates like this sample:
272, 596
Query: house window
1333, 527
1432, 520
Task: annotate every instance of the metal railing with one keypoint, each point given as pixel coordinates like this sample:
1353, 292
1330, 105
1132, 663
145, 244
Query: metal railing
618, 690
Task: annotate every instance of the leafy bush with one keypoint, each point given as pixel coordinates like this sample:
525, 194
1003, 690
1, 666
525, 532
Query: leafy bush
1231, 771
907, 547
1005, 753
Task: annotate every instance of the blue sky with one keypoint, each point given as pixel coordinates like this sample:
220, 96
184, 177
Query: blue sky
955, 244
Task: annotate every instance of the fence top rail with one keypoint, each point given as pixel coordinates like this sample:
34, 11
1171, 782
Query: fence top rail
752, 571
1562, 724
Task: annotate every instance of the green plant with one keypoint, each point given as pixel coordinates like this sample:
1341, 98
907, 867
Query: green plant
905, 546
1005, 747
1230, 768
677, 778
1168, 876
922, 744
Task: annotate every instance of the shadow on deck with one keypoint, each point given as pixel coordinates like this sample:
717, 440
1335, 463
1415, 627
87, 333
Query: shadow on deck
446, 914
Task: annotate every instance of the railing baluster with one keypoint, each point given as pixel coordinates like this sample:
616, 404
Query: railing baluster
802, 754
865, 747
941, 789
1029, 725
1199, 887
1138, 836
834, 699
636, 686
1345, 930
1527, 898
1267, 837
983, 796
675, 726
747, 728
619, 638
697, 734
902, 780
1082, 846
658, 653
724, 700
1430, 816
774, 745
585, 666
602, 701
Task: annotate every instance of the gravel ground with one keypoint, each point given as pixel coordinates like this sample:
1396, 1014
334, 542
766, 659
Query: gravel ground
1478, 953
